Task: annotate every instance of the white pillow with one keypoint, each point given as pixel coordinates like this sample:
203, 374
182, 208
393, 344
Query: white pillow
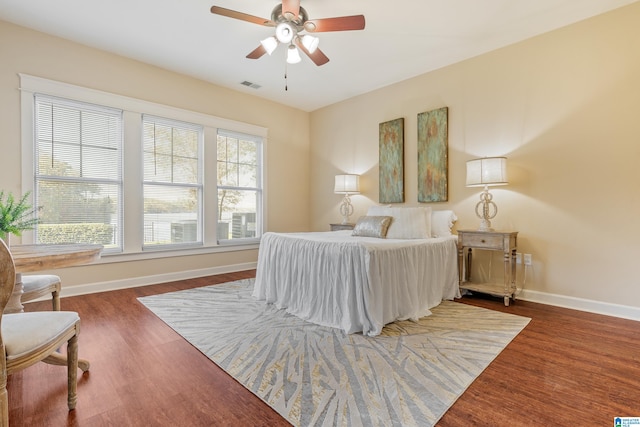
442, 222
378, 210
408, 222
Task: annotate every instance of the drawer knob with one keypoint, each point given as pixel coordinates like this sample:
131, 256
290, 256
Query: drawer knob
483, 241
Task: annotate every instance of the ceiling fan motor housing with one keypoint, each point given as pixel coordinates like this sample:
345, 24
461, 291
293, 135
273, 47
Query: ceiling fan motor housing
297, 23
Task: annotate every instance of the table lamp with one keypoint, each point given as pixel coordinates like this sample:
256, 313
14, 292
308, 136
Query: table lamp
347, 184
486, 172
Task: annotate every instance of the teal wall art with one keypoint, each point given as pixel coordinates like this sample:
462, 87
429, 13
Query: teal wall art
432, 156
391, 163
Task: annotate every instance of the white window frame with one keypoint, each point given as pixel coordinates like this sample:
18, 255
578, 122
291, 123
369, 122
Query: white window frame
83, 106
199, 185
259, 189
133, 110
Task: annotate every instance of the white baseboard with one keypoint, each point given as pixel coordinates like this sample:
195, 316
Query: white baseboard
91, 288
592, 306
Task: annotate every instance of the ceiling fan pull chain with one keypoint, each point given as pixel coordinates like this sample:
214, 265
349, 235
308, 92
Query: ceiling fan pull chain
286, 88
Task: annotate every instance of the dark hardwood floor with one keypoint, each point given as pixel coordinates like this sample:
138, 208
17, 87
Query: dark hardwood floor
567, 368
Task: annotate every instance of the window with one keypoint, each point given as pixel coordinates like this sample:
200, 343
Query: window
172, 186
239, 186
78, 178
138, 177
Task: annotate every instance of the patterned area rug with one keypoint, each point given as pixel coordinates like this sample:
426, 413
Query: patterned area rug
318, 376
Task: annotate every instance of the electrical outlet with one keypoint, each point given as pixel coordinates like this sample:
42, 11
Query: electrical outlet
518, 258
527, 259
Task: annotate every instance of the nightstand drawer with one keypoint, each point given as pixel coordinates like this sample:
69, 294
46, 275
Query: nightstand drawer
483, 241
337, 227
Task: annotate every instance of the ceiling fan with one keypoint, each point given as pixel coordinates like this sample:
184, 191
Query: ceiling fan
291, 21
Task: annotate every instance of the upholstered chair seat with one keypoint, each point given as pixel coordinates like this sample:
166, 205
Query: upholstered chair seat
26, 334
38, 285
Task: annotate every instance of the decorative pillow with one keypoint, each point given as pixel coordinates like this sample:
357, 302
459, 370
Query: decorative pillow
372, 226
408, 222
442, 222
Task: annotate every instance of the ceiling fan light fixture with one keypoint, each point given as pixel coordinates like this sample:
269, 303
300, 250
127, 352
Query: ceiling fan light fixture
293, 56
310, 42
270, 44
284, 32
289, 19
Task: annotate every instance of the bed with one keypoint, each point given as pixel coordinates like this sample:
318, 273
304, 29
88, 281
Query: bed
359, 283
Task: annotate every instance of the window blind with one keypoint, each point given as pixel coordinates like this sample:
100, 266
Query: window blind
78, 172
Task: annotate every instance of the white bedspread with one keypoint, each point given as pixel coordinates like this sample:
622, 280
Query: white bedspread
357, 284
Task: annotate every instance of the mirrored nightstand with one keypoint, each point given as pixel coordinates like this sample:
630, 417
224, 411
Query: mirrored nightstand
503, 241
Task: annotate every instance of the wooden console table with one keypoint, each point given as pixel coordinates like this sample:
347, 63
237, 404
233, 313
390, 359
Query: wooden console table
29, 258
504, 241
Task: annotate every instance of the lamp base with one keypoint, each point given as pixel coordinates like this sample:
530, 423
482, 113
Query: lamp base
486, 209
346, 209
485, 225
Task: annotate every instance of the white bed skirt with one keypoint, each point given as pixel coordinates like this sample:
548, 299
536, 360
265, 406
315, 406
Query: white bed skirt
356, 284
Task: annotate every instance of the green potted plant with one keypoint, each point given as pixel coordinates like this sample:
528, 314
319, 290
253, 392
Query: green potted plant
15, 215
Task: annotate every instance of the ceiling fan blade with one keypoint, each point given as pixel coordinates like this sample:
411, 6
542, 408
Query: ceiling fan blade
257, 52
292, 7
242, 16
343, 23
318, 57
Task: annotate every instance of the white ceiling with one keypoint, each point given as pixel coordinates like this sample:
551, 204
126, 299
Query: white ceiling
402, 38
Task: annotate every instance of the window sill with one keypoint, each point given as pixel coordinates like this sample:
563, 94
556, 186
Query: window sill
109, 258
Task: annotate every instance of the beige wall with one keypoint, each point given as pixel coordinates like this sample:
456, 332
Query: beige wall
287, 149
563, 107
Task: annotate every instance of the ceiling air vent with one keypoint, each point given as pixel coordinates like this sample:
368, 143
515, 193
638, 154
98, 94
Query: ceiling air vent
251, 85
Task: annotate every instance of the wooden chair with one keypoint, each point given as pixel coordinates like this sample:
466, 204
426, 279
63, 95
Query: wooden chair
27, 338
38, 285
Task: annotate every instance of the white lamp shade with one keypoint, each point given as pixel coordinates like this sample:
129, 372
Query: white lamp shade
487, 171
293, 56
310, 42
347, 184
270, 44
284, 33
